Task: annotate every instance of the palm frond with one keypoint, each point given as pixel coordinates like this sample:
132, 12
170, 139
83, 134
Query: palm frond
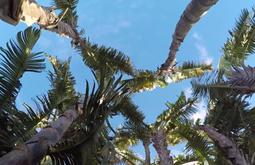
241, 42
104, 60
17, 59
145, 80
96, 106
62, 84
149, 80
242, 79
188, 70
227, 115
211, 85
68, 10
216, 85
196, 141
180, 111
129, 110
187, 158
23, 125
125, 138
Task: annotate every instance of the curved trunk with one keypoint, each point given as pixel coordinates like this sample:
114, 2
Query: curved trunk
36, 148
228, 147
191, 15
160, 145
146, 145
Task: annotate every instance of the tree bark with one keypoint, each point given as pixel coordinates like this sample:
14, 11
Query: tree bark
191, 15
160, 145
36, 148
9, 11
228, 147
146, 145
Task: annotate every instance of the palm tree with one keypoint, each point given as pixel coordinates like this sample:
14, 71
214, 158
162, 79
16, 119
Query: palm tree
230, 120
191, 15
66, 23
75, 126
62, 98
171, 127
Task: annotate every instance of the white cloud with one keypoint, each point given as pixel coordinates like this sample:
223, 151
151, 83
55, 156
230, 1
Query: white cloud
204, 56
201, 106
111, 28
203, 52
197, 36
202, 110
188, 92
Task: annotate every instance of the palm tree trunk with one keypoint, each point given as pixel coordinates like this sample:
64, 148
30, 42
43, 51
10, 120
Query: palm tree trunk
36, 148
160, 145
191, 15
31, 13
228, 147
146, 145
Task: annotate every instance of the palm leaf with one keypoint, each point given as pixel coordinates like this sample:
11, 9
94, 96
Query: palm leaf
97, 105
62, 85
241, 42
23, 125
149, 80
17, 59
129, 110
105, 61
68, 10
177, 112
242, 79
196, 141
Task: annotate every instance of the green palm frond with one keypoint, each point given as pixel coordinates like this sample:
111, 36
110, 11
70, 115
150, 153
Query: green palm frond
227, 115
129, 110
211, 85
17, 59
188, 70
193, 65
242, 79
125, 138
105, 61
62, 85
97, 105
62, 95
196, 141
177, 112
239, 83
145, 80
187, 158
134, 131
241, 42
68, 10
21, 126
128, 157
149, 80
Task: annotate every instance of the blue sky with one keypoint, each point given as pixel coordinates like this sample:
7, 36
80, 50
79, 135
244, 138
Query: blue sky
142, 29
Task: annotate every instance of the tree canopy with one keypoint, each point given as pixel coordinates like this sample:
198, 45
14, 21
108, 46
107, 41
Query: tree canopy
67, 126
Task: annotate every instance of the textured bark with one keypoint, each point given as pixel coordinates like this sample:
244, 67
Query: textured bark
227, 146
31, 13
160, 145
191, 15
36, 148
147, 153
9, 11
